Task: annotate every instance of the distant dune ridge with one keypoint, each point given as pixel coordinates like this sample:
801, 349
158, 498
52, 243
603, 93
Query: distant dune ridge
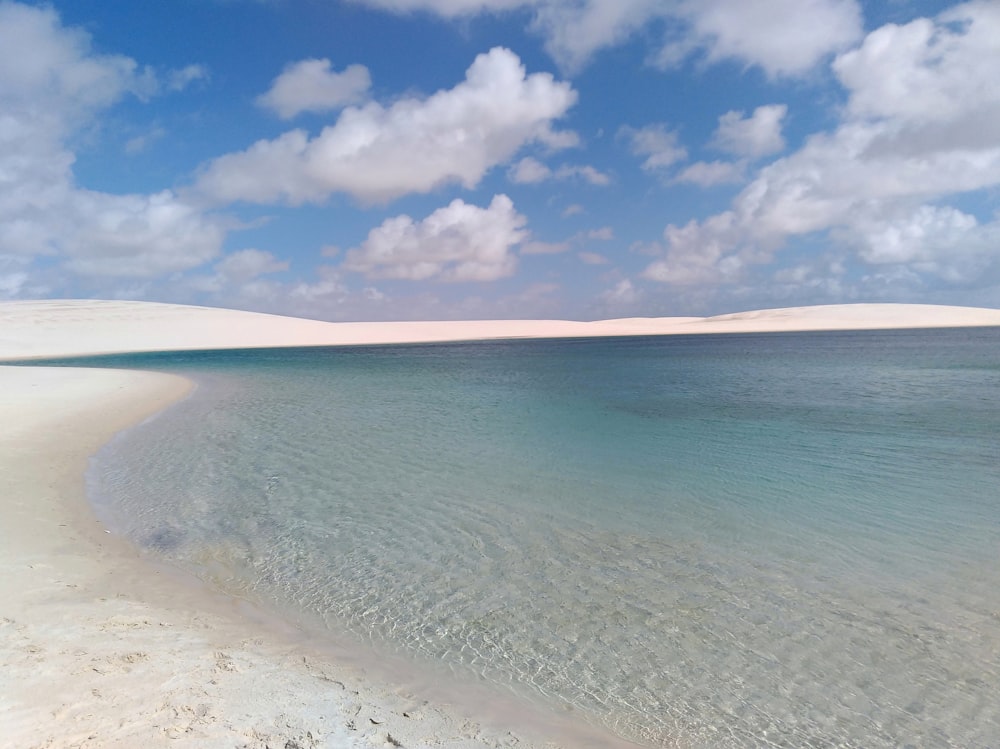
38, 329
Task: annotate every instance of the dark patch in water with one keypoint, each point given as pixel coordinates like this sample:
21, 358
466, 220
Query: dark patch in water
164, 539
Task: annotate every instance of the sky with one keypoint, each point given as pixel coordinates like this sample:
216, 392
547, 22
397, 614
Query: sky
487, 159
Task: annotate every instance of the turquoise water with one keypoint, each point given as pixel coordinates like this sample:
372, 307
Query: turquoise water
707, 541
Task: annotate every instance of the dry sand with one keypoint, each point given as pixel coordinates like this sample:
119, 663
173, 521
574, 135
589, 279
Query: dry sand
99, 648
64, 328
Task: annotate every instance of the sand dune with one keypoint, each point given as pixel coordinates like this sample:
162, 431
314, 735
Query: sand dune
38, 329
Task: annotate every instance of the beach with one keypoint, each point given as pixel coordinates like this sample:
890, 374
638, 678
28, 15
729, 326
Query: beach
103, 648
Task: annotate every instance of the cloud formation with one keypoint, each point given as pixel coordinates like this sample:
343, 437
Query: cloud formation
754, 136
784, 37
378, 153
531, 171
920, 127
52, 86
311, 86
712, 173
459, 242
660, 147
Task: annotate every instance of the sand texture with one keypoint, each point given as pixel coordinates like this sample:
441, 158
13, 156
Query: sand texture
100, 648
38, 329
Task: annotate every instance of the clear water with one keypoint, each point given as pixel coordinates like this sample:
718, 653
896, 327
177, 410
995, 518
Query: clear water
718, 541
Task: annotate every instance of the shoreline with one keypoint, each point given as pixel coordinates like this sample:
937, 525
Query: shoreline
104, 648
109, 649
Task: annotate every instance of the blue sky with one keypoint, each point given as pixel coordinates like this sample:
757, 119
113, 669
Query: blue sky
443, 159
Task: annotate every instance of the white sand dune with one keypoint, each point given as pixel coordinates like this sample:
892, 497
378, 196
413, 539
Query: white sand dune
99, 648
38, 329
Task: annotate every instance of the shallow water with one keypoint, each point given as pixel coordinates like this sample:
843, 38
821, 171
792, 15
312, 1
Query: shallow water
746, 540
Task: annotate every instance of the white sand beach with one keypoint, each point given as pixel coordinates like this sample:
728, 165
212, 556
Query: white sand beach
101, 648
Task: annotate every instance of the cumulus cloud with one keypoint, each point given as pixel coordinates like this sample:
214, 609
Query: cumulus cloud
937, 240
784, 37
136, 236
543, 248
378, 153
459, 242
531, 171
311, 86
754, 136
699, 253
659, 145
447, 8
574, 30
140, 143
46, 66
926, 70
239, 273
587, 173
178, 80
604, 234
712, 173
244, 265
622, 294
12, 280
52, 84
920, 128
592, 258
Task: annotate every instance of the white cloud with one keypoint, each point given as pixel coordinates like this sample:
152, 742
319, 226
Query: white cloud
329, 287
238, 275
575, 30
50, 73
447, 8
140, 143
926, 71
699, 253
544, 248
243, 265
414, 146
178, 80
659, 145
938, 241
587, 173
310, 86
753, 136
915, 237
711, 173
623, 293
784, 37
592, 258
531, 171
136, 235
52, 85
11, 284
604, 234
880, 180
459, 242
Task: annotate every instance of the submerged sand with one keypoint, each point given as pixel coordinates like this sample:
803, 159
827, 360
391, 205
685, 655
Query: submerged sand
100, 648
